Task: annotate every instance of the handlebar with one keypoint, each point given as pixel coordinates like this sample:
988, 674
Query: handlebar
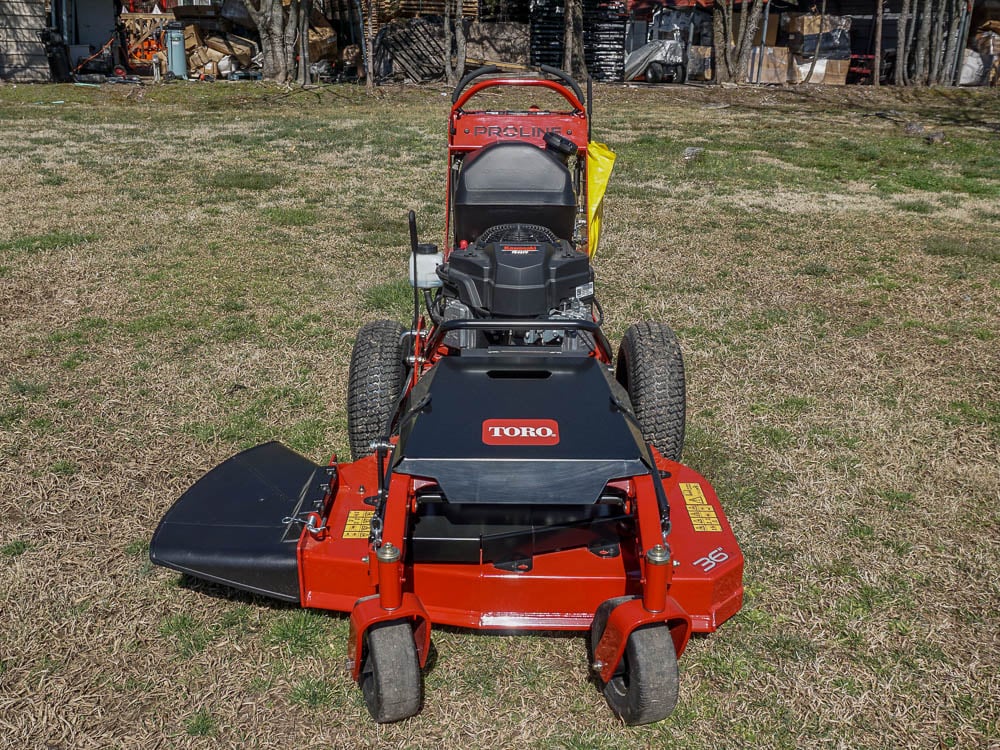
574, 96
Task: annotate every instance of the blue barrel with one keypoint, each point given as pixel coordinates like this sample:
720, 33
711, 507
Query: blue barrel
176, 58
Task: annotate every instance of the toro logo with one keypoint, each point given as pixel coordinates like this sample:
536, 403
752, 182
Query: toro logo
520, 432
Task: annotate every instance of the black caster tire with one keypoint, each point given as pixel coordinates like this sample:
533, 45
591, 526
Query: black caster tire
644, 688
391, 682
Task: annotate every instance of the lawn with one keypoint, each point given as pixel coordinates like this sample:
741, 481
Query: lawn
182, 272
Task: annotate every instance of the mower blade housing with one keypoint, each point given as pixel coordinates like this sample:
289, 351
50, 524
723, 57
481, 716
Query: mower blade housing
231, 527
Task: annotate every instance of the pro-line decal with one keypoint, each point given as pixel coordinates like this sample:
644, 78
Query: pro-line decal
359, 524
703, 516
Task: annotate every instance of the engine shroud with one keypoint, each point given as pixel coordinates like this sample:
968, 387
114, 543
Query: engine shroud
516, 278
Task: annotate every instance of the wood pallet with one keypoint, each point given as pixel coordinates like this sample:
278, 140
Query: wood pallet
390, 9
417, 49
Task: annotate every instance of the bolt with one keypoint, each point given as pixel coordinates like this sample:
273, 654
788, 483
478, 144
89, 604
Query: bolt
597, 666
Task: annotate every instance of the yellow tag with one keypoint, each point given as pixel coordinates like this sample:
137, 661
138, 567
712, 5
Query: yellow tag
702, 515
359, 523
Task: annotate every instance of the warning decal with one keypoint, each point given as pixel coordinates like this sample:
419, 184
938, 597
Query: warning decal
358, 524
703, 516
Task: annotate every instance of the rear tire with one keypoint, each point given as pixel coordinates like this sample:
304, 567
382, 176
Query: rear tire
654, 73
376, 377
390, 677
650, 367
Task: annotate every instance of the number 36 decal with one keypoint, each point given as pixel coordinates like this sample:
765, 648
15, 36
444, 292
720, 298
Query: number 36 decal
713, 558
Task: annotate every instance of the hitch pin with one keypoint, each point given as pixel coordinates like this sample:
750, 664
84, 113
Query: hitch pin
312, 522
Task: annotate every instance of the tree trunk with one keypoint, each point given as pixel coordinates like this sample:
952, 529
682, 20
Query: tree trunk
281, 28
877, 63
369, 42
449, 69
574, 62
937, 43
722, 41
460, 41
923, 43
749, 23
305, 12
902, 51
819, 39
952, 49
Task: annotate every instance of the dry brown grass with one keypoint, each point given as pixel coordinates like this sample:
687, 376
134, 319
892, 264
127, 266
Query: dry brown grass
838, 307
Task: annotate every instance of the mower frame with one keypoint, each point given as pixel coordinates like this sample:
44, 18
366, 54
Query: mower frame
654, 548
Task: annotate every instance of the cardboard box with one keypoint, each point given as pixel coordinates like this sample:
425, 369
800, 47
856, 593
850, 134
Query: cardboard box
827, 72
197, 58
322, 45
242, 50
809, 23
773, 65
699, 63
773, 23
192, 37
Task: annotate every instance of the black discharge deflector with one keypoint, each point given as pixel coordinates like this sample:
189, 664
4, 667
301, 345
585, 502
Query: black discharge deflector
229, 527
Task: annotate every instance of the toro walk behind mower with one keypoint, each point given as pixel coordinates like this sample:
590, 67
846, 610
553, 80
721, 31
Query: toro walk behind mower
509, 472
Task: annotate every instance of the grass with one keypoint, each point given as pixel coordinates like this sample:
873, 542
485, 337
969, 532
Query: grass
833, 283
201, 724
55, 240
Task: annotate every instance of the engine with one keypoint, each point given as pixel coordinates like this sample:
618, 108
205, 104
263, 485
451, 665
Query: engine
515, 271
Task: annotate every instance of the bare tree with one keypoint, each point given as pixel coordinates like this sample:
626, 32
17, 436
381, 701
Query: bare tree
369, 42
454, 73
722, 41
574, 62
819, 39
902, 47
877, 64
920, 55
937, 42
749, 23
283, 37
732, 51
953, 48
449, 70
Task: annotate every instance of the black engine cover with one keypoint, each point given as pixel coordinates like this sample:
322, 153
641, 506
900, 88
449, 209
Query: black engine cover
515, 279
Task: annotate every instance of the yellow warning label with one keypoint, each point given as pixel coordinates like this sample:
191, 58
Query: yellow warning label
702, 515
359, 523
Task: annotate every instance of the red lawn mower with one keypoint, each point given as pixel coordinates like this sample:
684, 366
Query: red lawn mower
509, 472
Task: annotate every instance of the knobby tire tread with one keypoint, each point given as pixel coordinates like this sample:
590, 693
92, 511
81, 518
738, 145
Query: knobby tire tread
375, 381
651, 367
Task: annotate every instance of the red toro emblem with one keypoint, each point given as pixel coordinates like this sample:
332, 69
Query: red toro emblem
520, 432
